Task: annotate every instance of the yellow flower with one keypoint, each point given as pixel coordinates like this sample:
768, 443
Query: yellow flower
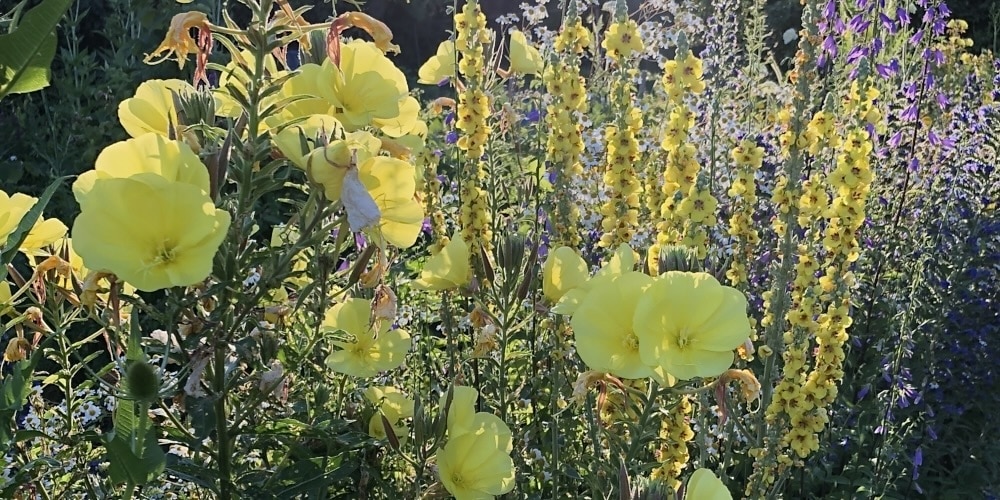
45, 231
703, 485
152, 107
375, 348
178, 40
151, 232
149, 153
297, 141
395, 406
6, 302
448, 269
365, 88
603, 329
440, 66
406, 122
563, 271
476, 465
689, 324
462, 412
621, 262
390, 183
524, 59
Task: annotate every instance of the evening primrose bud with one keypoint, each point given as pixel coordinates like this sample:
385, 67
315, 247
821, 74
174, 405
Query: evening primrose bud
678, 258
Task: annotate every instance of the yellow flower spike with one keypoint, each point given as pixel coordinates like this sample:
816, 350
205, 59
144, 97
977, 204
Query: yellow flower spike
151, 109
377, 29
151, 232
375, 348
704, 485
524, 59
603, 329
563, 271
689, 324
312, 131
448, 269
178, 41
150, 153
476, 465
440, 66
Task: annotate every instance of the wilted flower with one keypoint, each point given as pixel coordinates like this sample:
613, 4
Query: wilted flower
179, 42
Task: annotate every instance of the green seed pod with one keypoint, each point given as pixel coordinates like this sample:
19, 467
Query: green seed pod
141, 381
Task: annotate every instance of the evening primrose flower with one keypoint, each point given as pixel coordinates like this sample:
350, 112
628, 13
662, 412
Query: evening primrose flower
476, 465
375, 348
621, 262
563, 271
524, 59
440, 66
365, 87
150, 153
297, 141
151, 109
603, 328
392, 404
462, 412
45, 231
448, 269
689, 324
704, 485
390, 183
151, 232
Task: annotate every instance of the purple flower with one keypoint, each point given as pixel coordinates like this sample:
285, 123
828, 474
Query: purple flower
917, 37
451, 137
532, 116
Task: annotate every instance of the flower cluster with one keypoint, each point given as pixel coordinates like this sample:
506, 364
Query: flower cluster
676, 433
747, 158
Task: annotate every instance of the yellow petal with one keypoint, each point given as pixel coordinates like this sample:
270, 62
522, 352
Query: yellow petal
524, 59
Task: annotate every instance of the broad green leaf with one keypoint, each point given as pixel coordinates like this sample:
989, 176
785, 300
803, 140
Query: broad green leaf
26, 52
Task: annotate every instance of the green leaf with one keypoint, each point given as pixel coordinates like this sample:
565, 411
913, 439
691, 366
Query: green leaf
15, 239
26, 52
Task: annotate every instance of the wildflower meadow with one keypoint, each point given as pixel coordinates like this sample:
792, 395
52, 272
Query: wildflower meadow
652, 249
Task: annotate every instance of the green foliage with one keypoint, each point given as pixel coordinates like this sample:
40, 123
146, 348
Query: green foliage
26, 51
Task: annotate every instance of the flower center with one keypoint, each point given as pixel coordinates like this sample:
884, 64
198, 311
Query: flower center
165, 254
683, 338
631, 342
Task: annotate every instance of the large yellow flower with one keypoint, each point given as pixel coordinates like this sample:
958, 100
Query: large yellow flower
524, 59
395, 406
563, 271
390, 183
366, 89
475, 463
621, 262
45, 231
375, 348
151, 232
448, 269
152, 107
603, 328
703, 485
440, 66
149, 153
688, 324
